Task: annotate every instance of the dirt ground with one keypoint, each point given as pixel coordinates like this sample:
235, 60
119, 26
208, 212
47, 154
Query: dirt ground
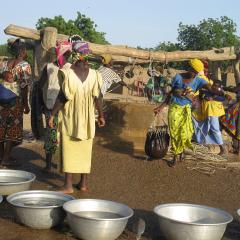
119, 176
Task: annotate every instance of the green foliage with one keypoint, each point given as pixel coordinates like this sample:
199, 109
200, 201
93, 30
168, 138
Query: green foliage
168, 47
208, 33
82, 26
4, 51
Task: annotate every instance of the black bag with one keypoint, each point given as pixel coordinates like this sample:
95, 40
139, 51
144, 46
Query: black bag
157, 142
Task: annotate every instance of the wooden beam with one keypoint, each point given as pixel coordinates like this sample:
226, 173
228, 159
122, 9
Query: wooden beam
125, 51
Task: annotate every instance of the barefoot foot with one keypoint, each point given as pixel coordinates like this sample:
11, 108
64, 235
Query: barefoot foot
81, 188
66, 190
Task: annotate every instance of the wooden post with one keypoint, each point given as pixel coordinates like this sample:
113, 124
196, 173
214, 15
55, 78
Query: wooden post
44, 49
216, 70
236, 72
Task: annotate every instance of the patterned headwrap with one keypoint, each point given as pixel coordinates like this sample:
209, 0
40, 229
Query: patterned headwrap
80, 52
61, 49
80, 49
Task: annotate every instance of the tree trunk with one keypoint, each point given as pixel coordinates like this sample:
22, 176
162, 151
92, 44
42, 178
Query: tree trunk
125, 51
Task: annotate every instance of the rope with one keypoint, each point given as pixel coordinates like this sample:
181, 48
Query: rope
154, 125
208, 166
202, 152
165, 61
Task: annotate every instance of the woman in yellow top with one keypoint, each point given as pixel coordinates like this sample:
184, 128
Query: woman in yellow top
80, 89
206, 117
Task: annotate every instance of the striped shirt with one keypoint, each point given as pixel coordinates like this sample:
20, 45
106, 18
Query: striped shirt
109, 77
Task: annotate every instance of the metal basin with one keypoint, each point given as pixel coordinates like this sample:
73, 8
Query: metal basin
39, 209
92, 219
238, 214
188, 221
12, 181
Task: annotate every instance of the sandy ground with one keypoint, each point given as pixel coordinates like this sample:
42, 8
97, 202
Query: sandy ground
126, 177
129, 179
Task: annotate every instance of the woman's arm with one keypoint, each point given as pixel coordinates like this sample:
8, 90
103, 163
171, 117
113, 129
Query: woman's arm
158, 109
24, 93
99, 107
59, 104
208, 87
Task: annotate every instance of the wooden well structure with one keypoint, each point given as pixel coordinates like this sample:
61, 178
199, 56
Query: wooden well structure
130, 119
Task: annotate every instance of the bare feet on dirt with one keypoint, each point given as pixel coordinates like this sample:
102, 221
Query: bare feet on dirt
66, 190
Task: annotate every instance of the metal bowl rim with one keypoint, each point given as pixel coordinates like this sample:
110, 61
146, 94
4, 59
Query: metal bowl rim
238, 212
97, 219
17, 183
71, 198
194, 205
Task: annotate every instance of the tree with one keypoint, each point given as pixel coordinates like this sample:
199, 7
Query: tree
4, 50
168, 47
208, 33
82, 26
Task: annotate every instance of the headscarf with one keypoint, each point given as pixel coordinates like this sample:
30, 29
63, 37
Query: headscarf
197, 65
106, 58
16, 47
80, 52
61, 49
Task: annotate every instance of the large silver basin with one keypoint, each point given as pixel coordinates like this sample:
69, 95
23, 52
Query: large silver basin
39, 209
12, 181
92, 219
192, 222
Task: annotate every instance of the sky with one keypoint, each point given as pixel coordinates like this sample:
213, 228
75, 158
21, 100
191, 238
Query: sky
135, 23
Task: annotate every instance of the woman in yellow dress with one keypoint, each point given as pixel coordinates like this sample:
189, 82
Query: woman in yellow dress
78, 97
206, 117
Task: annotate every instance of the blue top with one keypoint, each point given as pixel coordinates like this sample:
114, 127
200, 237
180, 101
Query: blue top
195, 85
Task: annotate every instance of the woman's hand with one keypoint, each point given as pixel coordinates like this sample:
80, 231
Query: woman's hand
228, 97
50, 121
26, 109
101, 122
208, 98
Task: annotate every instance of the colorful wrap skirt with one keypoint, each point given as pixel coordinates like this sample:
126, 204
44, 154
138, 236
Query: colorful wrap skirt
231, 120
11, 122
180, 127
51, 134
